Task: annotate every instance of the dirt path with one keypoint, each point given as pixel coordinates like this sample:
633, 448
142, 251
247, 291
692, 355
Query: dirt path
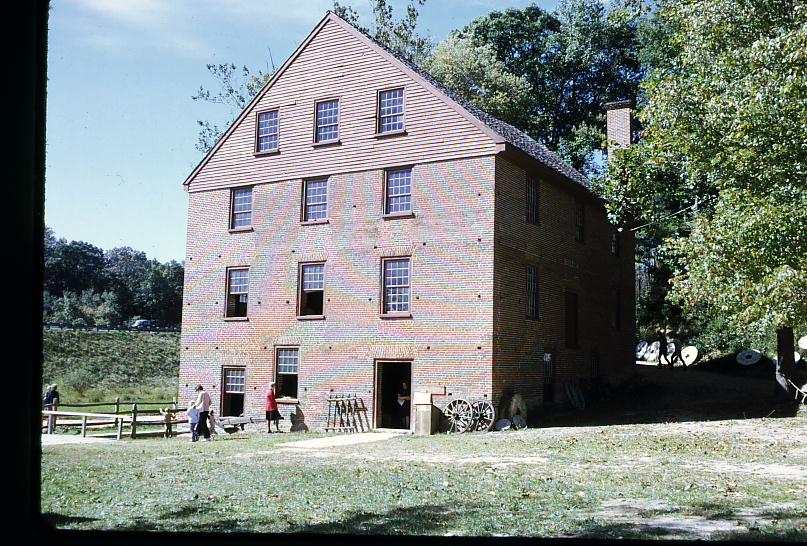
61, 439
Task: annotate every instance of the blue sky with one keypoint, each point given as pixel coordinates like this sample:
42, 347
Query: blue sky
121, 125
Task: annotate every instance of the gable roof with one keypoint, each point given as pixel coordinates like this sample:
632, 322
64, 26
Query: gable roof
498, 130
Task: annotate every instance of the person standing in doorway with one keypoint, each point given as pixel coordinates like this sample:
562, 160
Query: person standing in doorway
404, 398
271, 409
203, 405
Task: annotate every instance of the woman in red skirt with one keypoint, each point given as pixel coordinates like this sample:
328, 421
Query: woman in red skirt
271, 410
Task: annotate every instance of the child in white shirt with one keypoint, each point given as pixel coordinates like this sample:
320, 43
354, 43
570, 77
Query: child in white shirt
193, 420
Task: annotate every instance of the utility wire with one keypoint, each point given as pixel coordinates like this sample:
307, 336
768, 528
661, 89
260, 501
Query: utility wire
693, 206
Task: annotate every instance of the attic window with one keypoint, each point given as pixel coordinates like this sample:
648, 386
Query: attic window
532, 201
327, 121
267, 137
391, 111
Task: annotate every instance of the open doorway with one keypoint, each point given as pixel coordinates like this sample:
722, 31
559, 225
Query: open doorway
232, 393
390, 379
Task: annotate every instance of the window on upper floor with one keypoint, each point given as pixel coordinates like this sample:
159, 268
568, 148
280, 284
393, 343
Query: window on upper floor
390, 111
241, 208
327, 127
533, 215
615, 243
398, 191
579, 220
532, 293
286, 371
267, 132
395, 285
237, 292
315, 200
312, 290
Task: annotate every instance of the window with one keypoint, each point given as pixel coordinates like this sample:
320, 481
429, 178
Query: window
237, 291
232, 400
241, 208
327, 121
288, 361
595, 364
396, 285
532, 201
615, 243
616, 314
571, 320
579, 220
532, 293
398, 191
312, 289
391, 111
267, 132
315, 200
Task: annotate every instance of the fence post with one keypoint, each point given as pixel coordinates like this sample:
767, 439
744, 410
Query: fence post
51, 423
117, 404
83, 426
120, 427
134, 420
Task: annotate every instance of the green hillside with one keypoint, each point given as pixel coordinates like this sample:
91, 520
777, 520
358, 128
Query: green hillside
92, 366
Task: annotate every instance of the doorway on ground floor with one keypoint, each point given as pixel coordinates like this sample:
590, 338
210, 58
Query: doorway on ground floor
232, 392
390, 378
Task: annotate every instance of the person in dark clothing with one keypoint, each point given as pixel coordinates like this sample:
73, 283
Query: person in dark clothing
662, 348
52, 396
404, 399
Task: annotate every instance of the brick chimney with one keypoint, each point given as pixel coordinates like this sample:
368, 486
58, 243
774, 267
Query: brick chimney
618, 124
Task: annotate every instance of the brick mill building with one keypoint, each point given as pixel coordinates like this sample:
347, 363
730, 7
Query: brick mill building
358, 226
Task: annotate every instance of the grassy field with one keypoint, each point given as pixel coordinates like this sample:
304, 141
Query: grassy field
743, 479
94, 366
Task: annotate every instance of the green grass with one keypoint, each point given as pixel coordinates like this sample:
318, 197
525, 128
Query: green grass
94, 366
538, 482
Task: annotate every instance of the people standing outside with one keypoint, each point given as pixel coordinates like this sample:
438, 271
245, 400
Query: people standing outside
662, 348
52, 396
193, 420
272, 414
203, 405
404, 399
679, 346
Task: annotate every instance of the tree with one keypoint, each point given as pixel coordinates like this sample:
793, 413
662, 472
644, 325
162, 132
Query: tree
71, 267
725, 120
398, 36
474, 73
574, 59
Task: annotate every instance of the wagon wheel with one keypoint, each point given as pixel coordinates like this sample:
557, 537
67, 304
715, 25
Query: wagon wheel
484, 415
459, 414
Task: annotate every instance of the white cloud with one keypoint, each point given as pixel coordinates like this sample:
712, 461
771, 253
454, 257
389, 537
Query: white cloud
135, 12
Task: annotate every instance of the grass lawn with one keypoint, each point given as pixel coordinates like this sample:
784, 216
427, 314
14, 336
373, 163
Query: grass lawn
744, 479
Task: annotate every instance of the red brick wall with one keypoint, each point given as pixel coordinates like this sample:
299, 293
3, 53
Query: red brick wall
588, 269
450, 240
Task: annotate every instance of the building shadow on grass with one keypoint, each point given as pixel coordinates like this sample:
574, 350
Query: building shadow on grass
662, 395
61, 520
415, 520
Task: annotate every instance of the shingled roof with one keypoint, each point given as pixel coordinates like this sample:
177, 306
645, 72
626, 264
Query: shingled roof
513, 136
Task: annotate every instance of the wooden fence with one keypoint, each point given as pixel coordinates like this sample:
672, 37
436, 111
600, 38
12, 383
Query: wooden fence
138, 415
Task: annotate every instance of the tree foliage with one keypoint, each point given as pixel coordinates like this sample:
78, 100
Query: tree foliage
400, 36
474, 73
86, 286
574, 59
725, 119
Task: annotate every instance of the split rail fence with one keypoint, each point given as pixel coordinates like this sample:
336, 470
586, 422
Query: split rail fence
127, 414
